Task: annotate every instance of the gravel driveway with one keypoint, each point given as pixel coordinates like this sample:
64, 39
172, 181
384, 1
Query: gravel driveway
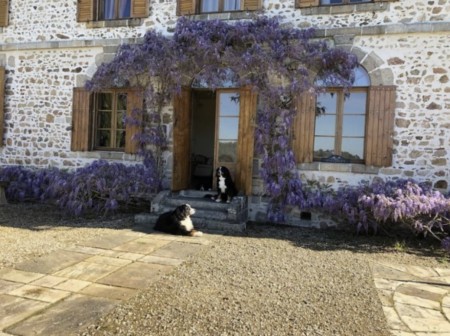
268, 281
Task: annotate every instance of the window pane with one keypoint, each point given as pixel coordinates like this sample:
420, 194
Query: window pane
231, 5
323, 147
108, 9
362, 78
355, 1
125, 9
326, 103
104, 119
120, 139
228, 128
227, 151
229, 104
120, 120
103, 138
325, 125
331, 2
355, 103
121, 101
354, 125
352, 148
105, 101
210, 6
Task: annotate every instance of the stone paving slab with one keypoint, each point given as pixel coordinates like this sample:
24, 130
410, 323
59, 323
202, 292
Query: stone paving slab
14, 309
52, 263
19, 276
112, 240
64, 318
40, 293
111, 292
177, 250
414, 299
137, 275
7, 286
87, 271
142, 245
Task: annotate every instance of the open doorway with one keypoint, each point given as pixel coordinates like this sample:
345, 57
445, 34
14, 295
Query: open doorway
202, 139
211, 129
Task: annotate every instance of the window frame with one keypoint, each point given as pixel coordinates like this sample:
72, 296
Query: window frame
220, 6
114, 116
345, 2
100, 15
339, 124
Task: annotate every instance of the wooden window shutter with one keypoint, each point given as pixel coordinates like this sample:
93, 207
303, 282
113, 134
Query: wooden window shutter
4, 13
181, 139
2, 103
252, 4
303, 132
139, 9
380, 126
307, 3
247, 113
185, 7
81, 120
85, 10
135, 100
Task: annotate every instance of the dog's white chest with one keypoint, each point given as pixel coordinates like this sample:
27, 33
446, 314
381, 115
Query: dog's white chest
222, 185
187, 223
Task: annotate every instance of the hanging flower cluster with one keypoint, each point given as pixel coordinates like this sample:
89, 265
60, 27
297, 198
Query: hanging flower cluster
278, 62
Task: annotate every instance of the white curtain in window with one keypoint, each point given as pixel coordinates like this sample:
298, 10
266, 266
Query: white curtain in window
210, 6
108, 9
125, 9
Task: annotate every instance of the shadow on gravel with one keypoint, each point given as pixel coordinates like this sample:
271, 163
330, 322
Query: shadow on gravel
38, 217
329, 240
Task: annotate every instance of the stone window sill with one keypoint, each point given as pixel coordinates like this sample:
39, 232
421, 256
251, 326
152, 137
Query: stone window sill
339, 167
114, 23
235, 15
105, 155
346, 9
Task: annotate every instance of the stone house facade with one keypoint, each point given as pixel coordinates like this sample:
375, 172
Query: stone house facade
49, 48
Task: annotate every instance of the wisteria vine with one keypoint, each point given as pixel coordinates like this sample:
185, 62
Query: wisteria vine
279, 63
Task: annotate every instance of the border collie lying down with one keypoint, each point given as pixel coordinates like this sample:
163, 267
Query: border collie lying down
178, 222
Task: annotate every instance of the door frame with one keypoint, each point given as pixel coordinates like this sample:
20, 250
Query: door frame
182, 119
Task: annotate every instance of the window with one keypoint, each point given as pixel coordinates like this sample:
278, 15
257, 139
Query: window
107, 10
354, 128
113, 9
342, 2
193, 7
109, 126
211, 6
340, 122
98, 120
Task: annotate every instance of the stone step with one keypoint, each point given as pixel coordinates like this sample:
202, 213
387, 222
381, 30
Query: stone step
148, 220
228, 215
197, 203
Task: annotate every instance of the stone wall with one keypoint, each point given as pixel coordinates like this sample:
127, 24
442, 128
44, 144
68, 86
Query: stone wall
405, 43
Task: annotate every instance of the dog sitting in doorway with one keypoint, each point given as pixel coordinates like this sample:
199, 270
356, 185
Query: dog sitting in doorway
226, 189
178, 222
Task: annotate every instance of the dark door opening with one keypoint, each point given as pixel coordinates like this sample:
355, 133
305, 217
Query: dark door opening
203, 130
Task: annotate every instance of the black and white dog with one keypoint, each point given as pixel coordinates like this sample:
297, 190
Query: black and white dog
178, 222
226, 189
